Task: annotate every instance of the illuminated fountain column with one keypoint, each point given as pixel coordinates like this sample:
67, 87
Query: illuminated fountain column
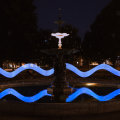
59, 36
59, 87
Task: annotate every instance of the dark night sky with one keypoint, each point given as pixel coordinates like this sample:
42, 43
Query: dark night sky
79, 13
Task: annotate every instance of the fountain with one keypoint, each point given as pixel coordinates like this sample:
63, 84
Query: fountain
60, 89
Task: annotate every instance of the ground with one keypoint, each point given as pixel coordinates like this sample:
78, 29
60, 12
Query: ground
105, 116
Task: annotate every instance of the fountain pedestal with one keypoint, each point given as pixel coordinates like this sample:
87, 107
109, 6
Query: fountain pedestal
59, 94
59, 87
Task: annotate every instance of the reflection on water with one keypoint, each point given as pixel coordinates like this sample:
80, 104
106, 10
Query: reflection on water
32, 90
99, 90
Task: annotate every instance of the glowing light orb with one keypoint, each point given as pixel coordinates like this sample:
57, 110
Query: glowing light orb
59, 36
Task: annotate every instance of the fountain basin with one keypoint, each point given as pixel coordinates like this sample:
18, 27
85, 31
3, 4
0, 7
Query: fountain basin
59, 109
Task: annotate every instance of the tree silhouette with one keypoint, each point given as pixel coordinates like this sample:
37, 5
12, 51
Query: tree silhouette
18, 30
72, 41
103, 42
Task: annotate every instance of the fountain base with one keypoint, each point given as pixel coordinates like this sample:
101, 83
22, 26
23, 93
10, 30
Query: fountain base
59, 90
59, 94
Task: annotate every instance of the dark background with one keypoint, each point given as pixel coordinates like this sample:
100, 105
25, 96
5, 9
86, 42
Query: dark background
79, 13
26, 27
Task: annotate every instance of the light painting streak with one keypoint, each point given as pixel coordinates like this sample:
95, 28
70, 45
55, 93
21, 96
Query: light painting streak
91, 93
23, 98
51, 71
24, 67
90, 72
69, 99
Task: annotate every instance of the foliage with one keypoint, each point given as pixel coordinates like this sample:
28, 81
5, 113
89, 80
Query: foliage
103, 42
18, 28
72, 41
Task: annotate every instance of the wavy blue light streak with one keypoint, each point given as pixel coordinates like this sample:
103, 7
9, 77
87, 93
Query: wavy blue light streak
51, 71
91, 93
24, 67
88, 73
23, 98
69, 99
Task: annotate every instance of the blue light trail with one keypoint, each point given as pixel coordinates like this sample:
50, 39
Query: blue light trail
23, 98
51, 71
24, 67
91, 93
90, 72
69, 99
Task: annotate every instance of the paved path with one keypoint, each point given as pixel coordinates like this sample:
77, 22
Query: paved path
106, 116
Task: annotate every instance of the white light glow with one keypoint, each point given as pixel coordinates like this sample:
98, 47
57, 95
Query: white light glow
59, 36
10, 65
89, 84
